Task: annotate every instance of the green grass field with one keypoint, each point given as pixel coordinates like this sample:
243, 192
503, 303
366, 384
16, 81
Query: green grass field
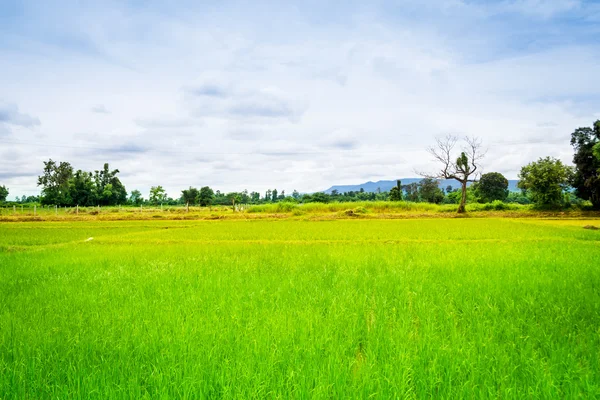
417, 308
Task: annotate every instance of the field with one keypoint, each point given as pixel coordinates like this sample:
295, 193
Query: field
349, 308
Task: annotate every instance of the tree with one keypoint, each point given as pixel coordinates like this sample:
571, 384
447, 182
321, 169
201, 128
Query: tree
596, 150
492, 186
3, 193
412, 192
430, 192
464, 169
82, 189
545, 180
158, 195
274, 195
136, 197
55, 183
295, 194
320, 197
206, 196
190, 196
586, 180
109, 189
396, 192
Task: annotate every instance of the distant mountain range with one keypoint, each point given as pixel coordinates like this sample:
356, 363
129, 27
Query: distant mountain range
385, 186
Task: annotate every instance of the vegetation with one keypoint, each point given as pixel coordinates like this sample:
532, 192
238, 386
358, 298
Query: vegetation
586, 179
464, 168
491, 187
3, 193
337, 309
546, 180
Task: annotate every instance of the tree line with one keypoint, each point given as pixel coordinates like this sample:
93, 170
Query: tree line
545, 182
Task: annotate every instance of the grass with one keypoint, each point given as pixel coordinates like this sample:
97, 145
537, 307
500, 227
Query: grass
288, 210
417, 308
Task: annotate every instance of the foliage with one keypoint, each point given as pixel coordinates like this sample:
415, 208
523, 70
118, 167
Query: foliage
3, 193
586, 179
109, 189
545, 181
491, 187
205, 196
190, 196
158, 195
136, 197
396, 192
430, 192
55, 183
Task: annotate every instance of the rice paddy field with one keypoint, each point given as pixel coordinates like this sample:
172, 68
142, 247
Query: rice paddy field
349, 308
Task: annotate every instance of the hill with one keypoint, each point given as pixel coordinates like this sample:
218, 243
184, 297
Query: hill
385, 186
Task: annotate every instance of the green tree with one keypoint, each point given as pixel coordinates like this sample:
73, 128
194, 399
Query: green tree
190, 196
545, 181
492, 186
82, 189
295, 194
596, 151
109, 189
206, 196
158, 195
274, 195
55, 183
430, 192
463, 169
320, 197
396, 192
3, 193
586, 180
412, 192
136, 197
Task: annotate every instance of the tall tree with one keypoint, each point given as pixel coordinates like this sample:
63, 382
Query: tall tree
464, 168
3, 193
206, 196
274, 195
55, 183
396, 192
136, 197
158, 195
190, 196
586, 180
109, 189
81, 188
492, 186
545, 181
430, 192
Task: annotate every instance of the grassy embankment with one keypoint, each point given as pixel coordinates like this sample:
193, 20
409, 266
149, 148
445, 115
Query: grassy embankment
286, 210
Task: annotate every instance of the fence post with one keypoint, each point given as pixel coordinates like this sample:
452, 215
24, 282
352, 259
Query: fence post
35, 210
187, 207
77, 210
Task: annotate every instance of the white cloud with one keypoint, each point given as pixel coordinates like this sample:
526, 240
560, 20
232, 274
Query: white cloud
211, 96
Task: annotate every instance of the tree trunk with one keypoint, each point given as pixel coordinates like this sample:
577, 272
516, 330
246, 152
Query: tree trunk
463, 198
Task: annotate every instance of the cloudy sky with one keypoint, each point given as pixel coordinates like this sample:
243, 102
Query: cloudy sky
288, 95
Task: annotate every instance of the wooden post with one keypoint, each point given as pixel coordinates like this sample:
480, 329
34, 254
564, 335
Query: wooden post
34, 210
56, 210
77, 209
187, 207
14, 209
141, 207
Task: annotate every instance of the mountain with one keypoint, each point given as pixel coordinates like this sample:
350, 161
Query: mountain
385, 186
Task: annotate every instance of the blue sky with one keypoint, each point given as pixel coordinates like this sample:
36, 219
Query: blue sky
289, 95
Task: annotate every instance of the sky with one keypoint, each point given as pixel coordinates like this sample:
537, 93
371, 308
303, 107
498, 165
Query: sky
289, 95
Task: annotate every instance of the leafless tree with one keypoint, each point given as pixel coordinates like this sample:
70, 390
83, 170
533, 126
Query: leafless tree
465, 168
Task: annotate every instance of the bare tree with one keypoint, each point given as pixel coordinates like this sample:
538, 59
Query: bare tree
466, 168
